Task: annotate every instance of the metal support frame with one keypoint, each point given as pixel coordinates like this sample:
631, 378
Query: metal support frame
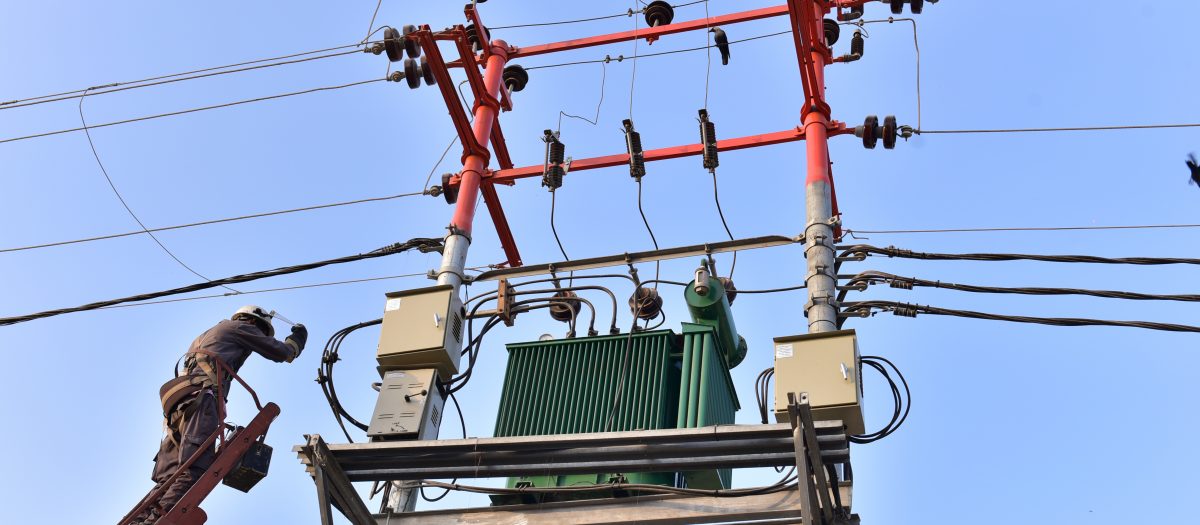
804, 443
812, 56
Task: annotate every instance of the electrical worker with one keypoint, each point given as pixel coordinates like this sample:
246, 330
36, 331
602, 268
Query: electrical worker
194, 402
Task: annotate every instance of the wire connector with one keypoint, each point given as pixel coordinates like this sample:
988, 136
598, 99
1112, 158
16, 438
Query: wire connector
906, 310
633, 145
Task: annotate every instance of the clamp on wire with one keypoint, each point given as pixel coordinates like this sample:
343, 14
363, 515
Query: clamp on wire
633, 145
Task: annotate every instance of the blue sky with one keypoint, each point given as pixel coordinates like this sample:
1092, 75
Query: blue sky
1044, 424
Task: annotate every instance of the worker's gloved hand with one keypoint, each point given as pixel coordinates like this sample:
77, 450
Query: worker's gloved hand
299, 337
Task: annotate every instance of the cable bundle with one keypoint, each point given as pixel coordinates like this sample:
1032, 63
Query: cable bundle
902, 403
325, 376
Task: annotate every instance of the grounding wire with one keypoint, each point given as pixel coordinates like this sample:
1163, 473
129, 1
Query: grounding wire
194, 110
116, 192
422, 244
911, 310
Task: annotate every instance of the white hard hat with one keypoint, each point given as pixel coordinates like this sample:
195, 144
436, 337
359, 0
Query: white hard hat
256, 312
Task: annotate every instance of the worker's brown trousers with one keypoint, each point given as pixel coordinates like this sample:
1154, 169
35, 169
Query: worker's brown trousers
177, 447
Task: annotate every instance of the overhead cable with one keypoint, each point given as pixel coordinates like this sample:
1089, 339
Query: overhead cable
621, 58
863, 250
627, 13
895, 281
108, 87
1045, 130
851, 232
213, 221
194, 110
424, 245
114, 88
867, 308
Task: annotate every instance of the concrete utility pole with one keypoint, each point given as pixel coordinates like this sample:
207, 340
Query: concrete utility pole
454, 257
821, 308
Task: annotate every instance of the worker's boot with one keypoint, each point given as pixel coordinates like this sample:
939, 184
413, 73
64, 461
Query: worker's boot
148, 517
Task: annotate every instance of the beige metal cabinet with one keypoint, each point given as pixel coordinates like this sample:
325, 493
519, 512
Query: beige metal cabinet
422, 328
826, 366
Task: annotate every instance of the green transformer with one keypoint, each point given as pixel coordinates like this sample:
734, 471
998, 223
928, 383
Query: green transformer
650, 380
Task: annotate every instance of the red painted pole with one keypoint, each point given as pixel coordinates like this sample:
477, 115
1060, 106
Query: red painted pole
485, 116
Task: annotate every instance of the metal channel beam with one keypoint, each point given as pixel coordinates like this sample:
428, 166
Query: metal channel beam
509, 176
638, 257
649, 510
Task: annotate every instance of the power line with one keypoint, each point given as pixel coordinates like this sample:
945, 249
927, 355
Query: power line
629, 13
874, 277
916, 45
1042, 130
104, 90
112, 185
9, 104
621, 58
864, 250
1028, 229
866, 308
214, 221
424, 245
194, 110
281, 289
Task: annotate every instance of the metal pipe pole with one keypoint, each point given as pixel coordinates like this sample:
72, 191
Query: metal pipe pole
403, 495
821, 308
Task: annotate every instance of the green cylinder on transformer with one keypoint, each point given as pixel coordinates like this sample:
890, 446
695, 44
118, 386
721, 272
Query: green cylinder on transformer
712, 309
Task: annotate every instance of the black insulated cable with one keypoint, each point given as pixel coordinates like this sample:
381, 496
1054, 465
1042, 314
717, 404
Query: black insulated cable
868, 308
424, 245
902, 403
864, 250
907, 283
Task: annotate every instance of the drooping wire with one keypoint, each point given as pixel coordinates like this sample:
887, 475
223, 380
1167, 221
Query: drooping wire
113, 186
595, 120
554, 230
629, 13
708, 47
916, 46
720, 213
911, 310
903, 403
463, 421
194, 110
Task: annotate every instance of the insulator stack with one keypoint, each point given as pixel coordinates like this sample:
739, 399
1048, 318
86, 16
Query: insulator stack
553, 171
901, 283
857, 44
645, 303
708, 138
633, 145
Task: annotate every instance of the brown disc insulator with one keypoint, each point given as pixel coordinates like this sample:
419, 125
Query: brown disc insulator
645, 303
566, 307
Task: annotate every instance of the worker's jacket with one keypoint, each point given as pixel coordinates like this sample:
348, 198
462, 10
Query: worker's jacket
230, 341
233, 341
